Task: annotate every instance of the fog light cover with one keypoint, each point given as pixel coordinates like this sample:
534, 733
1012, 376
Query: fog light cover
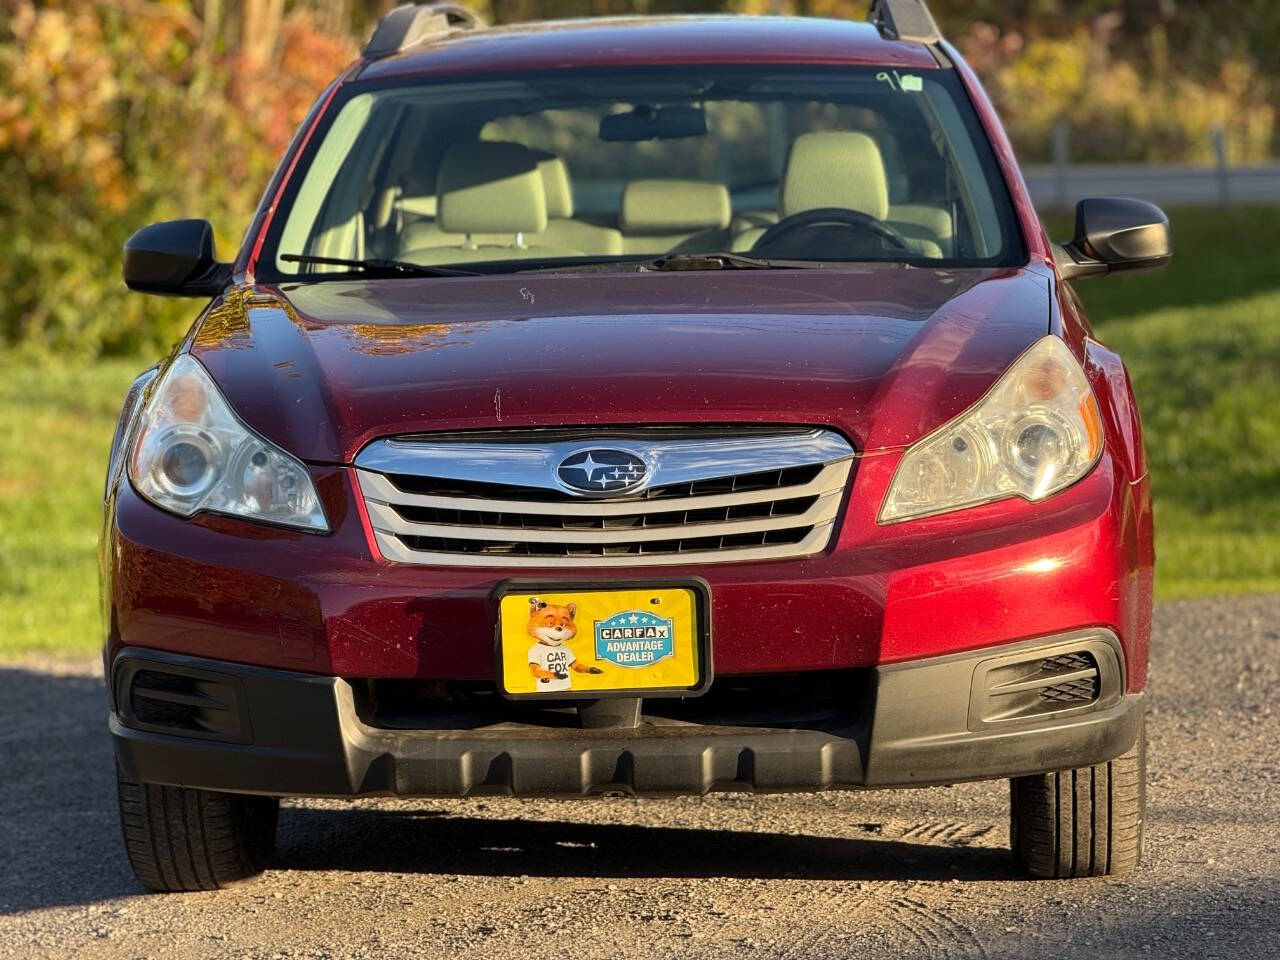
1035, 433
192, 453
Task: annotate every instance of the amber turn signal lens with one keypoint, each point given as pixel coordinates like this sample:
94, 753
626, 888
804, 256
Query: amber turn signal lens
1092, 418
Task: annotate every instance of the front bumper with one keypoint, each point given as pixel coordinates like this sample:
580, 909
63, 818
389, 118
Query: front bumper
908, 724
230, 590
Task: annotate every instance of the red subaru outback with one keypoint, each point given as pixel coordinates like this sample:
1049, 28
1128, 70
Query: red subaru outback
644, 406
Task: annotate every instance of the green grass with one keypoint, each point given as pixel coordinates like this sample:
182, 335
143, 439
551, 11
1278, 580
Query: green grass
1202, 341
55, 434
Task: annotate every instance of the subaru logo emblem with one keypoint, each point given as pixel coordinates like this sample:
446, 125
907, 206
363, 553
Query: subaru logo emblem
602, 471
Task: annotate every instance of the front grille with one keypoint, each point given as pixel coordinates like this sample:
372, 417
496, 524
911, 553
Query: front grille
498, 503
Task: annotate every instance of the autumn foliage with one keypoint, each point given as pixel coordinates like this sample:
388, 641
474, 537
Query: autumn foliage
116, 114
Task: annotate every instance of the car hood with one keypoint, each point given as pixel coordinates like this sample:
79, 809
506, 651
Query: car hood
884, 353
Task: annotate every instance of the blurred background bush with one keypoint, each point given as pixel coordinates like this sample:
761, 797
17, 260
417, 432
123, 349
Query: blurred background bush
115, 114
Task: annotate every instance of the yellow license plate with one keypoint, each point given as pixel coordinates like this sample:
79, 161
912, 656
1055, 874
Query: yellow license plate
559, 642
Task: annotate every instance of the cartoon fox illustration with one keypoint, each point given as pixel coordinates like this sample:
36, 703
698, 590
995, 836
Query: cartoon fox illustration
551, 627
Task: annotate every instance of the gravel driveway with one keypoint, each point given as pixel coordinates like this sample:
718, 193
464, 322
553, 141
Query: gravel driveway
897, 874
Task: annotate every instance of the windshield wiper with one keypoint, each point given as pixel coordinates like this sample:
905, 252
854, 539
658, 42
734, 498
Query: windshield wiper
722, 260
728, 261
385, 267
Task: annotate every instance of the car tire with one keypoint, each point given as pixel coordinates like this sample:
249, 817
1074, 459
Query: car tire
179, 838
1081, 823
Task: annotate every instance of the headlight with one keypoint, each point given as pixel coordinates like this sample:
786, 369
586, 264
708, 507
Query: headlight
1036, 432
192, 453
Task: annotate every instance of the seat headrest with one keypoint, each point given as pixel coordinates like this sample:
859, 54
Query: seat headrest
555, 180
834, 169
674, 206
487, 186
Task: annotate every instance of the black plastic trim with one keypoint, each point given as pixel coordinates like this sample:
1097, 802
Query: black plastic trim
175, 258
1104, 649
1114, 235
914, 731
235, 725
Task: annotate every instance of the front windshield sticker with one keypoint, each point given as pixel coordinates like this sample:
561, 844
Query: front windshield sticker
904, 83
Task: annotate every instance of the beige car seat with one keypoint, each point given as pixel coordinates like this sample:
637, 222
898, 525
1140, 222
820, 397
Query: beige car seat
492, 205
925, 222
562, 229
674, 216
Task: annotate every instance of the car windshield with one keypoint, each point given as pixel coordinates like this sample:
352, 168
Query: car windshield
831, 165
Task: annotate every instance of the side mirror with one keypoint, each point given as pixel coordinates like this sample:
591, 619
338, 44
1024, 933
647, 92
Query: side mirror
175, 258
1114, 234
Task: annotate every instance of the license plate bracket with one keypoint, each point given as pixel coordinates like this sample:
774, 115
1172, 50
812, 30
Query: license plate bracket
580, 640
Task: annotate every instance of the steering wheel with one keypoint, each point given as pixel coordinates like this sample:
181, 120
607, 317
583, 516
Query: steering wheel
832, 217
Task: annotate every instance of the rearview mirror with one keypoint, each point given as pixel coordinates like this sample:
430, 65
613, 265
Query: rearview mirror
175, 258
1114, 234
649, 123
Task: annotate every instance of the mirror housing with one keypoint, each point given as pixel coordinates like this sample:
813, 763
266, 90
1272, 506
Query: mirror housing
175, 258
653, 123
1115, 234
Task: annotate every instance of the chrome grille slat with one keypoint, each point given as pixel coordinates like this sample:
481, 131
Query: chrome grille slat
709, 500
394, 549
386, 519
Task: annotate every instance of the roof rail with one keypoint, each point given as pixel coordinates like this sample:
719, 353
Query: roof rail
905, 20
412, 23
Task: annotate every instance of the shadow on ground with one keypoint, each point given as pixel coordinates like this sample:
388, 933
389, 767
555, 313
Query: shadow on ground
427, 841
60, 832
59, 827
